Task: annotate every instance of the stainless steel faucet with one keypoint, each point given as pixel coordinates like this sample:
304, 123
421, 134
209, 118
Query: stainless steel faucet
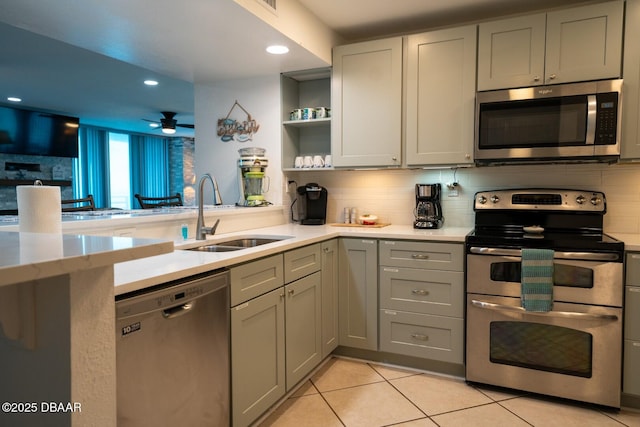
201, 229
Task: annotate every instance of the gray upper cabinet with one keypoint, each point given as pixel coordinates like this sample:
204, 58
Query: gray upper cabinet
577, 44
630, 144
441, 76
366, 95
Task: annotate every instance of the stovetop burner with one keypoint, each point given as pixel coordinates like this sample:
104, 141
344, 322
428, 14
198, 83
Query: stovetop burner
563, 220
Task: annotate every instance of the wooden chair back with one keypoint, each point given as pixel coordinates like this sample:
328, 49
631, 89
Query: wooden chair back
159, 202
77, 205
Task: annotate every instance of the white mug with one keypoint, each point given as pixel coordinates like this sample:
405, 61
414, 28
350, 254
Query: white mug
318, 162
327, 161
298, 162
308, 162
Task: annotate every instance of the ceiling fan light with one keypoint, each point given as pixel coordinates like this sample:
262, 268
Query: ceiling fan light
168, 131
150, 82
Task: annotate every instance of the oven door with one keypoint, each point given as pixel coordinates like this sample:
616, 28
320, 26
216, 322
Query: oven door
587, 282
571, 352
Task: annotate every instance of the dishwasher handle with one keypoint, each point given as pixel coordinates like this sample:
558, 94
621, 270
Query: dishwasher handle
179, 310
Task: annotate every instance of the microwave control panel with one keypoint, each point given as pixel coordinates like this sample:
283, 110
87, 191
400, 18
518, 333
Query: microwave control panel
607, 116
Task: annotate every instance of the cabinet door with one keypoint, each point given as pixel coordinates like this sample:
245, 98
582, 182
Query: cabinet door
422, 291
511, 52
303, 327
441, 92
257, 356
301, 262
256, 278
329, 296
358, 299
366, 96
630, 144
584, 43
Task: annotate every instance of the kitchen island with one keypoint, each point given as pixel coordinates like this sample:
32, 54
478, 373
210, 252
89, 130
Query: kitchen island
57, 342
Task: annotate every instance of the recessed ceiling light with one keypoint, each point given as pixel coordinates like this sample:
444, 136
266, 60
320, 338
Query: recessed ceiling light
277, 49
151, 82
14, 99
154, 125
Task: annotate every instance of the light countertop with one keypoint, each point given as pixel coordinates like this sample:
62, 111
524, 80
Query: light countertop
32, 256
631, 241
135, 275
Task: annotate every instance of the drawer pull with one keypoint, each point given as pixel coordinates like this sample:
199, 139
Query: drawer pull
420, 256
421, 292
420, 337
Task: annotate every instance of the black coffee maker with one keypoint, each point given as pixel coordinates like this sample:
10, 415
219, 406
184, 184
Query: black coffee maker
428, 212
312, 204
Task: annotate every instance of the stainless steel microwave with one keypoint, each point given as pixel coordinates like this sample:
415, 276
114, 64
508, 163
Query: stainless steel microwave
557, 123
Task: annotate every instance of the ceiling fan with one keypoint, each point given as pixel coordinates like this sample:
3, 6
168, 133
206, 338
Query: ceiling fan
169, 123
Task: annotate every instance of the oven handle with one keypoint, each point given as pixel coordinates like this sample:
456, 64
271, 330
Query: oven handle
586, 256
564, 314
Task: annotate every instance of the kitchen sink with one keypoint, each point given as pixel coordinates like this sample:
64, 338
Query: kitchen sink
215, 248
248, 242
237, 243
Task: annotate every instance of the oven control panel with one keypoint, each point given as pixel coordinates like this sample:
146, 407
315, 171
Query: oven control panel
541, 199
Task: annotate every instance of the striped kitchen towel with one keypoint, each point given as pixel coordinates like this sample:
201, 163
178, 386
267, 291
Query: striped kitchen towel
537, 279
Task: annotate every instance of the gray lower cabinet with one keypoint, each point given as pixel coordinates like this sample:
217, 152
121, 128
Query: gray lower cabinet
303, 327
257, 356
358, 293
422, 299
329, 260
631, 367
276, 305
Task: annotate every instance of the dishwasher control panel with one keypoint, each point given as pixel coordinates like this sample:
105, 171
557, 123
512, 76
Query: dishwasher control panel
171, 296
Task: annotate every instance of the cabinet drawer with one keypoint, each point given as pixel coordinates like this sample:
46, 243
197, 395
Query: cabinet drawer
420, 335
301, 262
631, 370
633, 269
413, 254
256, 278
632, 313
422, 291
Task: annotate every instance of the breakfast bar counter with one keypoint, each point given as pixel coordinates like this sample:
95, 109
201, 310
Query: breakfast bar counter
57, 340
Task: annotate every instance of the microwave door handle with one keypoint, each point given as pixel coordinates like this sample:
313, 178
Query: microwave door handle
592, 110
561, 314
584, 256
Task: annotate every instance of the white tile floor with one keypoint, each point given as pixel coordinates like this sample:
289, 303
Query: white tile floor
351, 393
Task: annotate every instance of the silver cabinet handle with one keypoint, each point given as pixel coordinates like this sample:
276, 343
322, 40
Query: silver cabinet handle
422, 292
420, 337
290, 291
173, 312
565, 314
552, 77
536, 78
420, 256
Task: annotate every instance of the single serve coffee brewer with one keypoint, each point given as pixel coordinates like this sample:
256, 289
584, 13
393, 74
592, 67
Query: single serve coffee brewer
312, 204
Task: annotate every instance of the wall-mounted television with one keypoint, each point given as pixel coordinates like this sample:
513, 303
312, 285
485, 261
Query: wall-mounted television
37, 133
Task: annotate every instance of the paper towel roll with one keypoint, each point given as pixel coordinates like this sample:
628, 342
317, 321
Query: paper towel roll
39, 209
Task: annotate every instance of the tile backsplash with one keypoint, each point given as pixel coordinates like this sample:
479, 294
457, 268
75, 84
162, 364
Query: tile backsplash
390, 193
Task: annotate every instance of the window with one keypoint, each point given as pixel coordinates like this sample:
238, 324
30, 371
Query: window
119, 176
114, 166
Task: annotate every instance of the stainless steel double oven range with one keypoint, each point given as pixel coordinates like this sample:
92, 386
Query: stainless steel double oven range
572, 351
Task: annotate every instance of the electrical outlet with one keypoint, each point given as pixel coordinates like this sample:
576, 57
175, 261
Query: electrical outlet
453, 189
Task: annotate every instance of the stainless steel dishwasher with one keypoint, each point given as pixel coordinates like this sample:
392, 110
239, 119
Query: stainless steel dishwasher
172, 354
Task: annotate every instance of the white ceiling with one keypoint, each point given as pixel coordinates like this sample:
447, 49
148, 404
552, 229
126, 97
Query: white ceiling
89, 58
